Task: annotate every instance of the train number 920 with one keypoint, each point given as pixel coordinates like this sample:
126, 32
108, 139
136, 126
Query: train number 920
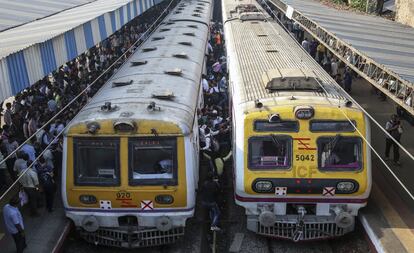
305, 158
123, 195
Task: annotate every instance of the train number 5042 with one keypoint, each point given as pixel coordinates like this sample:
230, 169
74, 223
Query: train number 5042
305, 158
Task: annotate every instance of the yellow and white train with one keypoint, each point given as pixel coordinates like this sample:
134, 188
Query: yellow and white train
301, 169
131, 154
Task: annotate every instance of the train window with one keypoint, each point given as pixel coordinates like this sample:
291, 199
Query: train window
153, 161
280, 126
331, 126
339, 153
96, 161
270, 152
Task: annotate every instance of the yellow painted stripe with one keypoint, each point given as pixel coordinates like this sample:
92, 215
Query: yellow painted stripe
396, 224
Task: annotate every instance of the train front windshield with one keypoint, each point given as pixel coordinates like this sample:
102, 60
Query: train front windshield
340, 153
270, 152
96, 161
153, 161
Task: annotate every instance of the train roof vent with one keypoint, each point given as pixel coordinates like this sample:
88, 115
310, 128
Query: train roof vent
261, 35
199, 7
192, 26
164, 29
174, 72
198, 10
189, 34
177, 12
201, 4
180, 8
169, 23
196, 15
251, 16
163, 94
122, 83
138, 63
158, 38
181, 55
148, 49
291, 80
271, 50
185, 43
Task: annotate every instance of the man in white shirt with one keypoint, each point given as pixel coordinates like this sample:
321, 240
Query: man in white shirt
217, 119
30, 183
305, 45
204, 84
334, 68
8, 115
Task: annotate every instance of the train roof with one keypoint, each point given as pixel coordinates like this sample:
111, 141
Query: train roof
165, 69
267, 61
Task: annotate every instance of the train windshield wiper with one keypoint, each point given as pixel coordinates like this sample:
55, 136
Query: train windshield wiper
275, 140
333, 143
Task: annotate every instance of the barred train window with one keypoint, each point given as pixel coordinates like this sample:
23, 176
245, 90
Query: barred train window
270, 152
153, 161
96, 161
339, 153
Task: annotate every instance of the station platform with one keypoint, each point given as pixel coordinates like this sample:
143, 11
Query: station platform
389, 217
44, 234
378, 49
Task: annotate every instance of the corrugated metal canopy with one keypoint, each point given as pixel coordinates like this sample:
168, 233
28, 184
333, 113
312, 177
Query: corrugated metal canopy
17, 12
388, 43
21, 37
33, 50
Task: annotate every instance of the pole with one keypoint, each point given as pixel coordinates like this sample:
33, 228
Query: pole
214, 242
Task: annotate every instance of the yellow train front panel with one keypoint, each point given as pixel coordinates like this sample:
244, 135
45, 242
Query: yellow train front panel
298, 170
124, 174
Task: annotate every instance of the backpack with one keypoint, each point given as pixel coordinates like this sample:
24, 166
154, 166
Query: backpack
46, 180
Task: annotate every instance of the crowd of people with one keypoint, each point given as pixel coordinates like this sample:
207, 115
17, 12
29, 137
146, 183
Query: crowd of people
214, 122
28, 118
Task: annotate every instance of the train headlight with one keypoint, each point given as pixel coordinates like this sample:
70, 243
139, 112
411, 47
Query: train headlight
90, 223
345, 186
87, 199
163, 223
263, 186
304, 112
164, 199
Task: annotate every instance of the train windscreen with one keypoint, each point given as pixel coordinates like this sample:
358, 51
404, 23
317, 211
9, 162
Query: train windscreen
340, 153
153, 161
270, 152
96, 161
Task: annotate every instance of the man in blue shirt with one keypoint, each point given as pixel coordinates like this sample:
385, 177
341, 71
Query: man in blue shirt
13, 221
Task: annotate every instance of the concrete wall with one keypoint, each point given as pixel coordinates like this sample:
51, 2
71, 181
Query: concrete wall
405, 12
